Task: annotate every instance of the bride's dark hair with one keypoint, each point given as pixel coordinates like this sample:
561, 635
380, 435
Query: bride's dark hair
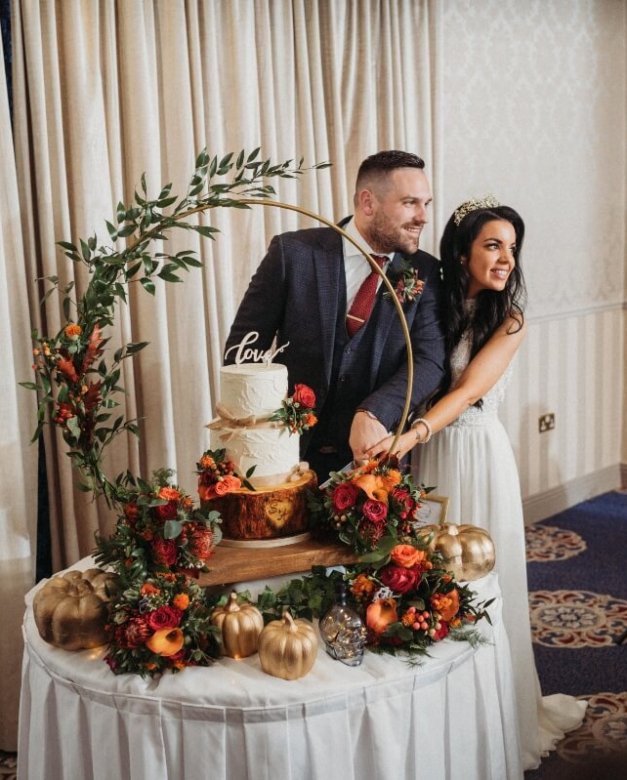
492, 307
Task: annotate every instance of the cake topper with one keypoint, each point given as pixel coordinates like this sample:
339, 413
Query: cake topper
246, 354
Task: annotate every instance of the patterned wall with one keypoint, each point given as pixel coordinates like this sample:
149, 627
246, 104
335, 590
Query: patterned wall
532, 108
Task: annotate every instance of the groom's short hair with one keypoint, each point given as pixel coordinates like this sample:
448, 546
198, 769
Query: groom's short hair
374, 168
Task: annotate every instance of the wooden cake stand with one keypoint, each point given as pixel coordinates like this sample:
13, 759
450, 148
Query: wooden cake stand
239, 564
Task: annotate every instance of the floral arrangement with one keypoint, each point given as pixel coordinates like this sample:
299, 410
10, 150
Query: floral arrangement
160, 623
217, 475
159, 530
160, 544
406, 599
296, 411
403, 591
407, 283
410, 601
366, 505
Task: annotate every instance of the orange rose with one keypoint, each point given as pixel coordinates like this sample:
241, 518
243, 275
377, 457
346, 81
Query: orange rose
207, 462
207, 492
381, 614
227, 485
181, 601
166, 641
406, 555
446, 604
169, 493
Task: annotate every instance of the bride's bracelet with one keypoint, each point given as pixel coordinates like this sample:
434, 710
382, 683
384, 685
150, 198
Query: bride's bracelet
427, 425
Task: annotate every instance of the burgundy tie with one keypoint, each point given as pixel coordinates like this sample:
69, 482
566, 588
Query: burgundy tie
363, 304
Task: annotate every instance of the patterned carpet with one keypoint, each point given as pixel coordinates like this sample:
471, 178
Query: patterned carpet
578, 603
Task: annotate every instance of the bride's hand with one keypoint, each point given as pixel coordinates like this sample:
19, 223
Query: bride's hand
403, 446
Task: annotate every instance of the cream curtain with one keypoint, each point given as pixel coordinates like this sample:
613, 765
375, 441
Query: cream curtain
18, 459
105, 91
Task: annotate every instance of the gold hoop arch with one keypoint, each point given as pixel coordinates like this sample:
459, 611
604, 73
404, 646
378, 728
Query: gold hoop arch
373, 266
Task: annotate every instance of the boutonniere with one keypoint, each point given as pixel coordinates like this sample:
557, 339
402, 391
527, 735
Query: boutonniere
406, 282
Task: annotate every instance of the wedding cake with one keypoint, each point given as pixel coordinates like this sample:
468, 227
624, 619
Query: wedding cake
261, 449
249, 394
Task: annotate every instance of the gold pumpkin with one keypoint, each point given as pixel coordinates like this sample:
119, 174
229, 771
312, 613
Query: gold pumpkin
240, 625
468, 550
288, 647
71, 609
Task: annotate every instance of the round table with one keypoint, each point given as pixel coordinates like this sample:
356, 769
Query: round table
451, 717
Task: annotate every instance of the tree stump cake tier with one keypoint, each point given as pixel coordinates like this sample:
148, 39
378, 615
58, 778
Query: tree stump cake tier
275, 512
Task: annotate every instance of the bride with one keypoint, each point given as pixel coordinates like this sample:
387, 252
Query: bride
471, 460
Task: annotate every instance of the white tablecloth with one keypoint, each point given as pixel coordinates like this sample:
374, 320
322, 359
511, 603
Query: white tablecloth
450, 718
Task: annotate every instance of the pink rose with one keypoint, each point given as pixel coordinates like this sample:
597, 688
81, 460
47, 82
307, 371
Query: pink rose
304, 395
375, 511
344, 496
397, 578
164, 617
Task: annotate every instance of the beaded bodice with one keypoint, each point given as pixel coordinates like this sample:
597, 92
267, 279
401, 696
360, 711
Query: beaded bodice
492, 399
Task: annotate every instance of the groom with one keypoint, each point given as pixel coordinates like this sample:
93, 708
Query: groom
314, 290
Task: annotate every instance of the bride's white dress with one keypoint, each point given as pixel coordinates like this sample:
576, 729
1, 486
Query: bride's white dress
472, 462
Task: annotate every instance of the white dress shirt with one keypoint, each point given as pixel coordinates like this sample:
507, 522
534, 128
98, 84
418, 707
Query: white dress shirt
355, 264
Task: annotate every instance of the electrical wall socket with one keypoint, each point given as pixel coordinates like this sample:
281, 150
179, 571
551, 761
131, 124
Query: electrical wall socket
546, 422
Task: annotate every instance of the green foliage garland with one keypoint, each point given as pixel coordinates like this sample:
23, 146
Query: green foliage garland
76, 386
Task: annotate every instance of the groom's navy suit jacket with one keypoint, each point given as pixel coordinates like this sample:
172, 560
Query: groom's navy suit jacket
298, 295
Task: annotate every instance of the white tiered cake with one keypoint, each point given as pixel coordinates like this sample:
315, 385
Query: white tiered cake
276, 509
249, 394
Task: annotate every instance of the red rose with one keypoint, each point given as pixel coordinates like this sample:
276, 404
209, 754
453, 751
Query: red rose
164, 617
164, 551
397, 578
167, 511
407, 505
344, 496
304, 395
375, 511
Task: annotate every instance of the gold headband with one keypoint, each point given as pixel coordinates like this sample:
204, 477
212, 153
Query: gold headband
489, 202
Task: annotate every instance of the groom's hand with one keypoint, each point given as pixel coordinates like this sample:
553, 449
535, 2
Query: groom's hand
366, 432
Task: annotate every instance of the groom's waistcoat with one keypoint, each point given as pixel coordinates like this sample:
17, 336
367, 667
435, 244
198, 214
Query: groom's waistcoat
349, 383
